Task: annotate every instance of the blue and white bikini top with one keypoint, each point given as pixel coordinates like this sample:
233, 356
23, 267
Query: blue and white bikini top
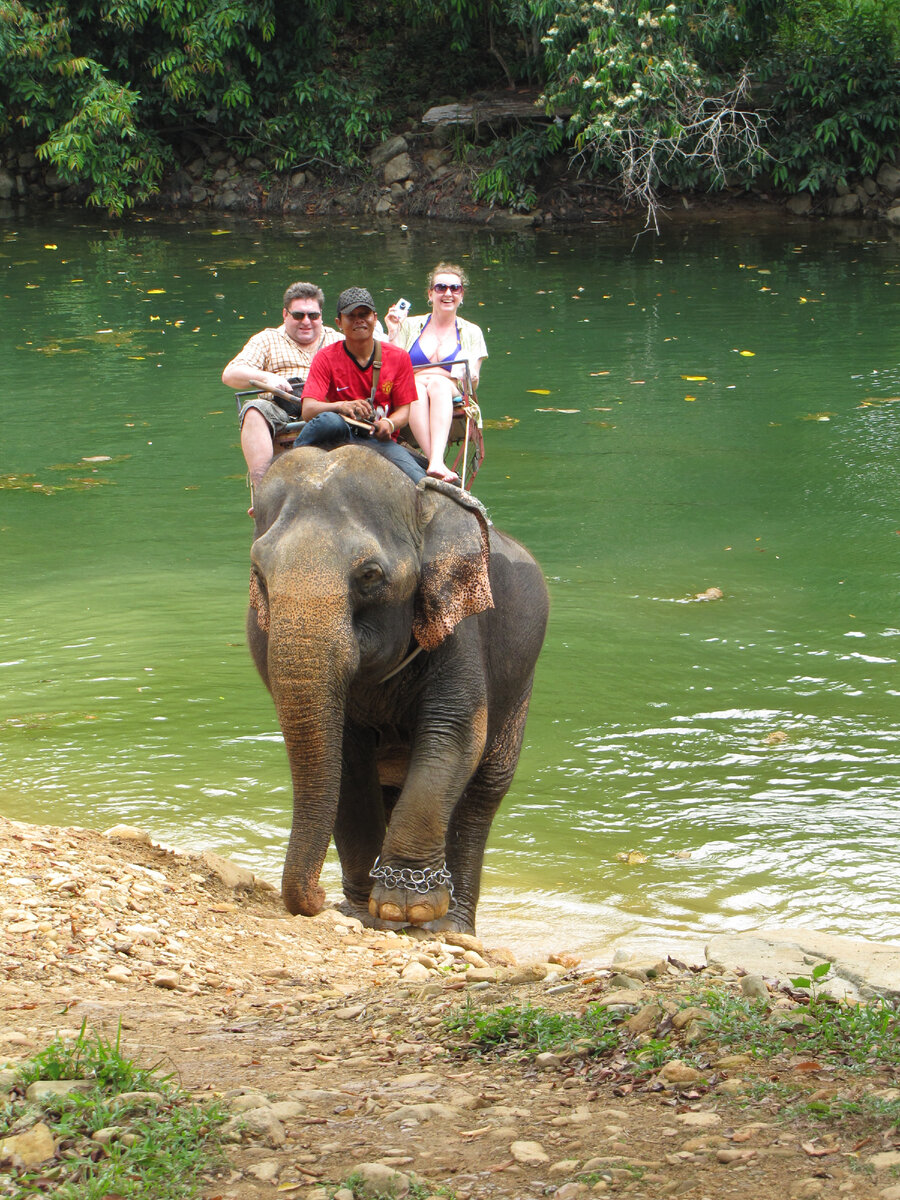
420, 359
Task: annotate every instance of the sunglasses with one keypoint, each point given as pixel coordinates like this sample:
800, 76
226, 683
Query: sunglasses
447, 287
298, 315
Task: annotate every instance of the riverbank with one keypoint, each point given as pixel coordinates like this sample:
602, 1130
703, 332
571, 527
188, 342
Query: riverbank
428, 171
333, 1042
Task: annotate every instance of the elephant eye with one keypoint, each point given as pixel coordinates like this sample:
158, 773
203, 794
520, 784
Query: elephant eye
369, 575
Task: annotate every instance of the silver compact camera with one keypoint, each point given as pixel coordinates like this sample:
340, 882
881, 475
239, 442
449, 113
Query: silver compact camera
402, 307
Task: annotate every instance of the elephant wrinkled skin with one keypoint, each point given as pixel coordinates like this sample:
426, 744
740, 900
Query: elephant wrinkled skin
354, 568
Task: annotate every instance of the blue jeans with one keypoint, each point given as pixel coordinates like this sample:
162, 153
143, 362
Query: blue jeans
330, 428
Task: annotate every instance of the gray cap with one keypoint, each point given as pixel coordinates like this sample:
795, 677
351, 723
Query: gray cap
354, 297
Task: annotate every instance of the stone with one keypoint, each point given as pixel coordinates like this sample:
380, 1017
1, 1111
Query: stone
685, 1016
678, 1074
167, 979
428, 1111
699, 1120
33, 1147
621, 981
128, 833
626, 996
530, 1154
256, 1125
414, 972
888, 179
733, 1062
890, 1193
892, 216
377, 1180
104, 1137
783, 953
398, 169
843, 206
645, 1019
754, 988
388, 150
547, 1061
571, 1191
265, 1171
45, 1089
233, 876
885, 1161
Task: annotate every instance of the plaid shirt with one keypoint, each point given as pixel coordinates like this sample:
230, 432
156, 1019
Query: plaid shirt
272, 350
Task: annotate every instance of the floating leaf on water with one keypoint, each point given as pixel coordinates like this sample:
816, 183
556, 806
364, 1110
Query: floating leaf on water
558, 410
632, 857
869, 400
819, 416
776, 736
501, 423
695, 378
540, 391
50, 246
690, 397
711, 593
97, 458
156, 291
747, 353
218, 232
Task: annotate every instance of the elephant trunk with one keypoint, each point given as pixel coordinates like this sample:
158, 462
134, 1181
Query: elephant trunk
311, 659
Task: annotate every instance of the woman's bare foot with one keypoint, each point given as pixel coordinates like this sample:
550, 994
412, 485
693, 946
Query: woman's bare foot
439, 471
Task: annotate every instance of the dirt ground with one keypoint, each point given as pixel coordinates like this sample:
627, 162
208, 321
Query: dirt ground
330, 1041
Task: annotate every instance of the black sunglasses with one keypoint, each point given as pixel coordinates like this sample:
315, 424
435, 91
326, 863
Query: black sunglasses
448, 287
298, 315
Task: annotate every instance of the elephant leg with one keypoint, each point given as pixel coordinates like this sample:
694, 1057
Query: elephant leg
411, 882
471, 822
360, 825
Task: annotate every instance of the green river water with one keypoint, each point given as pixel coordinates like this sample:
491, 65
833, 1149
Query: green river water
746, 747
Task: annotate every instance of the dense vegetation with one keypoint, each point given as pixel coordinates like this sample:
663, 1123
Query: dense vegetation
698, 93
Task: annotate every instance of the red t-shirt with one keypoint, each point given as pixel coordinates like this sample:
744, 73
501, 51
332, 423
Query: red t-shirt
336, 375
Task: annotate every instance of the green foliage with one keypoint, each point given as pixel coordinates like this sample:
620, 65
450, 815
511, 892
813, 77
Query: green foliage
173, 1139
642, 83
516, 165
836, 102
535, 1030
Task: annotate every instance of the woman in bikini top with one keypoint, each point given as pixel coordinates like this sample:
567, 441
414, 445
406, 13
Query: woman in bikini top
434, 342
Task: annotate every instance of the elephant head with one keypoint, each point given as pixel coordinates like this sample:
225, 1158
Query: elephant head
352, 567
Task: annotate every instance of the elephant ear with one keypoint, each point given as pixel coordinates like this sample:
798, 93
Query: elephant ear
259, 602
454, 582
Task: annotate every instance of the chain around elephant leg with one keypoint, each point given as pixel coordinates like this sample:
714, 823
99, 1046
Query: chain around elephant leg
417, 895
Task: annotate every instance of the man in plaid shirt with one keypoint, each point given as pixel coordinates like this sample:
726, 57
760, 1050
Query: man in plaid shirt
277, 358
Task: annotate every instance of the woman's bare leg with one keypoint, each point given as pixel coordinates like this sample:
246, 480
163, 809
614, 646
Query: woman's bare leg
419, 420
441, 391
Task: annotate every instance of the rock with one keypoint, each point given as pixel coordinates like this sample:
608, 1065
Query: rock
892, 216
571, 1191
233, 876
566, 1166
800, 205
104, 1137
885, 1161
428, 1111
678, 1074
466, 940
247, 1101
349, 1014
754, 988
785, 953
645, 1019
414, 972
388, 150
547, 1061
398, 169
626, 996
699, 1120
685, 1016
530, 1154
265, 1171
128, 833
167, 979
733, 1062
257, 1125
33, 1147
888, 179
621, 981
890, 1193
377, 1180
44, 1089
843, 206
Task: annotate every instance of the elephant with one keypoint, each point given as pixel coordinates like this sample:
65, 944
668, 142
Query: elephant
397, 631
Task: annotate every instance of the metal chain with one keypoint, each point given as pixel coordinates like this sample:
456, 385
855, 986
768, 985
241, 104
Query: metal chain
420, 882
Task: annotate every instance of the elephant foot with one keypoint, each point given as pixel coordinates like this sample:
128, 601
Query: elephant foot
410, 908
410, 894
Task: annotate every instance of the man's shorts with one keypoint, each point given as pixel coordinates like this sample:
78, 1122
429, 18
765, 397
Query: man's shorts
276, 418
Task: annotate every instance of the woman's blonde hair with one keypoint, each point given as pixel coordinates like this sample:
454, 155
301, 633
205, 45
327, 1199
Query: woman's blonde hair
445, 268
